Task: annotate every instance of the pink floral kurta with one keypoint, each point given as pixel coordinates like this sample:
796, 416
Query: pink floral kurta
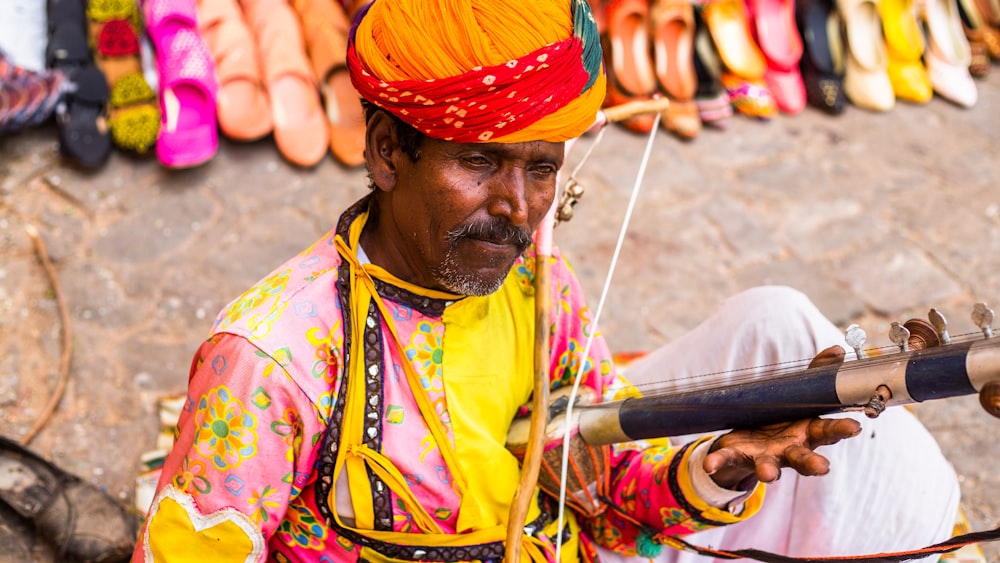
262, 401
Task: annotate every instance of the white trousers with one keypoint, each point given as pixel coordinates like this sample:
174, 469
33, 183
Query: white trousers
889, 489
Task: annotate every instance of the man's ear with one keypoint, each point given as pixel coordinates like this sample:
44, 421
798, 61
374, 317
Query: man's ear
382, 150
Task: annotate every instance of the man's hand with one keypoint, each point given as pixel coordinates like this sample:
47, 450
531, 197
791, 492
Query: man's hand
762, 452
741, 456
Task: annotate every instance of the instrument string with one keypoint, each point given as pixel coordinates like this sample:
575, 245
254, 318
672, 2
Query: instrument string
877, 356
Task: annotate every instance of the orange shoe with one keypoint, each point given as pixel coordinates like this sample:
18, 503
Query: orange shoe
629, 67
300, 127
673, 29
976, 31
244, 110
325, 29
744, 65
729, 25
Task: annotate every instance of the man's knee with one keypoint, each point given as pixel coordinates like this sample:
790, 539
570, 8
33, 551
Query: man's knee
782, 313
772, 299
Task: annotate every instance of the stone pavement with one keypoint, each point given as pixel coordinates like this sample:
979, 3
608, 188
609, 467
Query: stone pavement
876, 216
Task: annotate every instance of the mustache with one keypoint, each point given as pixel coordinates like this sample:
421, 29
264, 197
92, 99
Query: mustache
496, 231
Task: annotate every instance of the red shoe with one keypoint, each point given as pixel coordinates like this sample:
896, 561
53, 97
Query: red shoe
775, 31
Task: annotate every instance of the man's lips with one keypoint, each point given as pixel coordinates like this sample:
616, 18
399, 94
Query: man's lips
496, 241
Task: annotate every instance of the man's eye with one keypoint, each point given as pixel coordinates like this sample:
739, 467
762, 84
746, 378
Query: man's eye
544, 170
477, 160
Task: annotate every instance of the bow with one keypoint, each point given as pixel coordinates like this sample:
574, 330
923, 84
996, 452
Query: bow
543, 245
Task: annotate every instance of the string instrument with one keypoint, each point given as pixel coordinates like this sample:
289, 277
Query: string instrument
928, 365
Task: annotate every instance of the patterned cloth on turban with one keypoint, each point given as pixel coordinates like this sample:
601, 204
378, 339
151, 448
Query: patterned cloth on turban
481, 70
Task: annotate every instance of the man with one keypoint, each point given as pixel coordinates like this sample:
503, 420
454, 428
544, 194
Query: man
354, 404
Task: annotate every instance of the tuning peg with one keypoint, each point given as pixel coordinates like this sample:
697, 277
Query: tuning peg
940, 325
989, 398
983, 317
855, 337
900, 336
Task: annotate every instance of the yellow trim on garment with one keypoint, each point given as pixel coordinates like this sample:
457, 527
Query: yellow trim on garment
750, 506
476, 353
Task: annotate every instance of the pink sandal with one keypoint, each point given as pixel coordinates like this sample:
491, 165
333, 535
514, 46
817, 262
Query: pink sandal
188, 128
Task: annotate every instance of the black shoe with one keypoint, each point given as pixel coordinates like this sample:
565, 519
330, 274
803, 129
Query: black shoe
822, 62
82, 113
82, 522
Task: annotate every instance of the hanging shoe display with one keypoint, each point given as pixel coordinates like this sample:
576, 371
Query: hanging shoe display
990, 12
976, 32
710, 97
27, 98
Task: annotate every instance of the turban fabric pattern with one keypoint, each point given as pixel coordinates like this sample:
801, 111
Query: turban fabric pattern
474, 71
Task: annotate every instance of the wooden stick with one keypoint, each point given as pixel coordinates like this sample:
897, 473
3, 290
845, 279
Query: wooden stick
67, 337
532, 463
631, 109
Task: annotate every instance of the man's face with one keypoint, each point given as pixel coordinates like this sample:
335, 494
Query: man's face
462, 213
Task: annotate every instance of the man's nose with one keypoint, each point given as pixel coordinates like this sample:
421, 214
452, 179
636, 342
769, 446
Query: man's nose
511, 198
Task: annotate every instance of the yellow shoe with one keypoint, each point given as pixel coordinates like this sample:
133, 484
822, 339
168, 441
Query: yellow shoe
728, 23
904, 42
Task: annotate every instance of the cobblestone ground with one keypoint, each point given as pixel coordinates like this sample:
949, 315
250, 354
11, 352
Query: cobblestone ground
877, 217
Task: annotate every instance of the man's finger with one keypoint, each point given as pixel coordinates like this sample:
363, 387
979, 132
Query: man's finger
826, 431
806, 461
768, 469
723, 457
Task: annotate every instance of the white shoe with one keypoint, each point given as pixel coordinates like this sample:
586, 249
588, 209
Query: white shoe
948, 54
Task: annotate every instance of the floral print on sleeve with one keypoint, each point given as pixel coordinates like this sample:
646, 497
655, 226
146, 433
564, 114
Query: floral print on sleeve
238, 445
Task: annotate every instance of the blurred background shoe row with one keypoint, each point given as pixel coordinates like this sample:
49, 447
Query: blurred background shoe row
762, 57
168, 77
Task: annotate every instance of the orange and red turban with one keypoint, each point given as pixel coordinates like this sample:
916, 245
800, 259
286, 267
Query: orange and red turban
481, 70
